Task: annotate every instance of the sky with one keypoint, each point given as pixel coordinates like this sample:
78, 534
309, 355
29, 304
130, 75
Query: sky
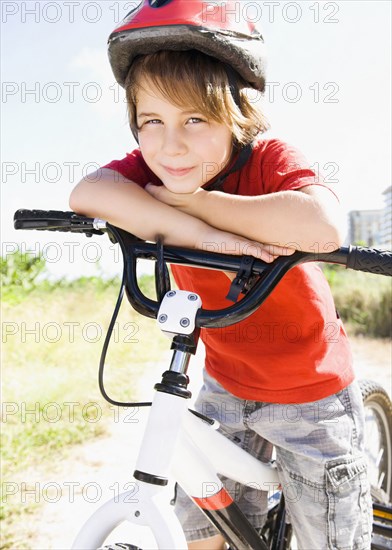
63, 115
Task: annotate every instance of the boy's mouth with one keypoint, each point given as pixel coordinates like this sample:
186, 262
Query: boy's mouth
177, 171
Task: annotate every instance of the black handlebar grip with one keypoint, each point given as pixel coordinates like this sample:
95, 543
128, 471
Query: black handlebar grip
42, 219
370, 260
55, 220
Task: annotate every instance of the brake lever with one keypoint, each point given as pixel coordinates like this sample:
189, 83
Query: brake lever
243, 280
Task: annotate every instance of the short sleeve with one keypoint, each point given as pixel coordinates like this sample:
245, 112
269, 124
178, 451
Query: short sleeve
282, 167
278, 166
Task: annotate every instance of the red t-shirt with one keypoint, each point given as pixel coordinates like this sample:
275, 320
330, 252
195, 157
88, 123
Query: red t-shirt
293, 349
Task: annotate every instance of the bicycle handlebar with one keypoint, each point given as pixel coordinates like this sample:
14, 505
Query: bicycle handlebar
56, 220
358, 258
370, 260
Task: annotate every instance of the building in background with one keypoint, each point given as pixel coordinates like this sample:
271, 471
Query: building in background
372, 227
365, 227
386, 224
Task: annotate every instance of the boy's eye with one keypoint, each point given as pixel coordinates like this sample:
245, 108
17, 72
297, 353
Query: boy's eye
195, 120
152, 121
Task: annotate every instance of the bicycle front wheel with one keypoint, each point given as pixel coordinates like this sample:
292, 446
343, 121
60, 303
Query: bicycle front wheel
378, 439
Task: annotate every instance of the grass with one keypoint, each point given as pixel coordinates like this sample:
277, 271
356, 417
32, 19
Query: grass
363, 300
52, 341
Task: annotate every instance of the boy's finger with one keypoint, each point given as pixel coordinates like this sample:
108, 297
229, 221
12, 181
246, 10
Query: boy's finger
279, 250
257, 250
268, 257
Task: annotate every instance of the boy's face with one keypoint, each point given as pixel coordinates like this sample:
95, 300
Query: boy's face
181, 147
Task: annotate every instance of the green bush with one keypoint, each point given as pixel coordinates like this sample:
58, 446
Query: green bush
21, 270
363, 300
23, 273
380, 321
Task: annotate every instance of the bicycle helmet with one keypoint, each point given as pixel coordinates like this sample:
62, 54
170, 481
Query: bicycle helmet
210, 27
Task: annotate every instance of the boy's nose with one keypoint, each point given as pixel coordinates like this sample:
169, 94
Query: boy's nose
173, 143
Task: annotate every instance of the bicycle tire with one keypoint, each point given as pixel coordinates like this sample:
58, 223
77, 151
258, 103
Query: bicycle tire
378, 439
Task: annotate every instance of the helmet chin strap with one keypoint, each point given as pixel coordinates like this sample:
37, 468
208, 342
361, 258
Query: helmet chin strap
158, 3
242, 159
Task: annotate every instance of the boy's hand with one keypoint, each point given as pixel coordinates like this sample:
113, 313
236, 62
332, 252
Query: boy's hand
189, 203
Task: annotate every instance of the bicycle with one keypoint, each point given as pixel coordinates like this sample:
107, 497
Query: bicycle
180, 314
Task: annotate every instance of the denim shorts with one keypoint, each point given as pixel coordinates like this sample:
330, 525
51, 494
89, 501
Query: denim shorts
319, 456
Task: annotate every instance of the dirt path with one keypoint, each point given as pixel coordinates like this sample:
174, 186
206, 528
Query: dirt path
71, 490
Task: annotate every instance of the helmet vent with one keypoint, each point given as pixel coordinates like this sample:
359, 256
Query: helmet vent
158, 3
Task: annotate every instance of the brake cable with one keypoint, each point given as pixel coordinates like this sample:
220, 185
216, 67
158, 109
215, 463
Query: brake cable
104, 352
163, 281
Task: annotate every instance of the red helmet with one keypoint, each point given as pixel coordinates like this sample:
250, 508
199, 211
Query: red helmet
217, 29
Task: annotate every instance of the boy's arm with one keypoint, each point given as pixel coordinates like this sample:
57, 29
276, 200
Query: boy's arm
108, 195
308, 219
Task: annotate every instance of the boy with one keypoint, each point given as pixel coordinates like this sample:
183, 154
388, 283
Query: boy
203, 177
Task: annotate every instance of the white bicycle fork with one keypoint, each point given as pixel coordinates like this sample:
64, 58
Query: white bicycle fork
180, 446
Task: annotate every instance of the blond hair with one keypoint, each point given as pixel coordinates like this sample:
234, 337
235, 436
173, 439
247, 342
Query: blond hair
191, 78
